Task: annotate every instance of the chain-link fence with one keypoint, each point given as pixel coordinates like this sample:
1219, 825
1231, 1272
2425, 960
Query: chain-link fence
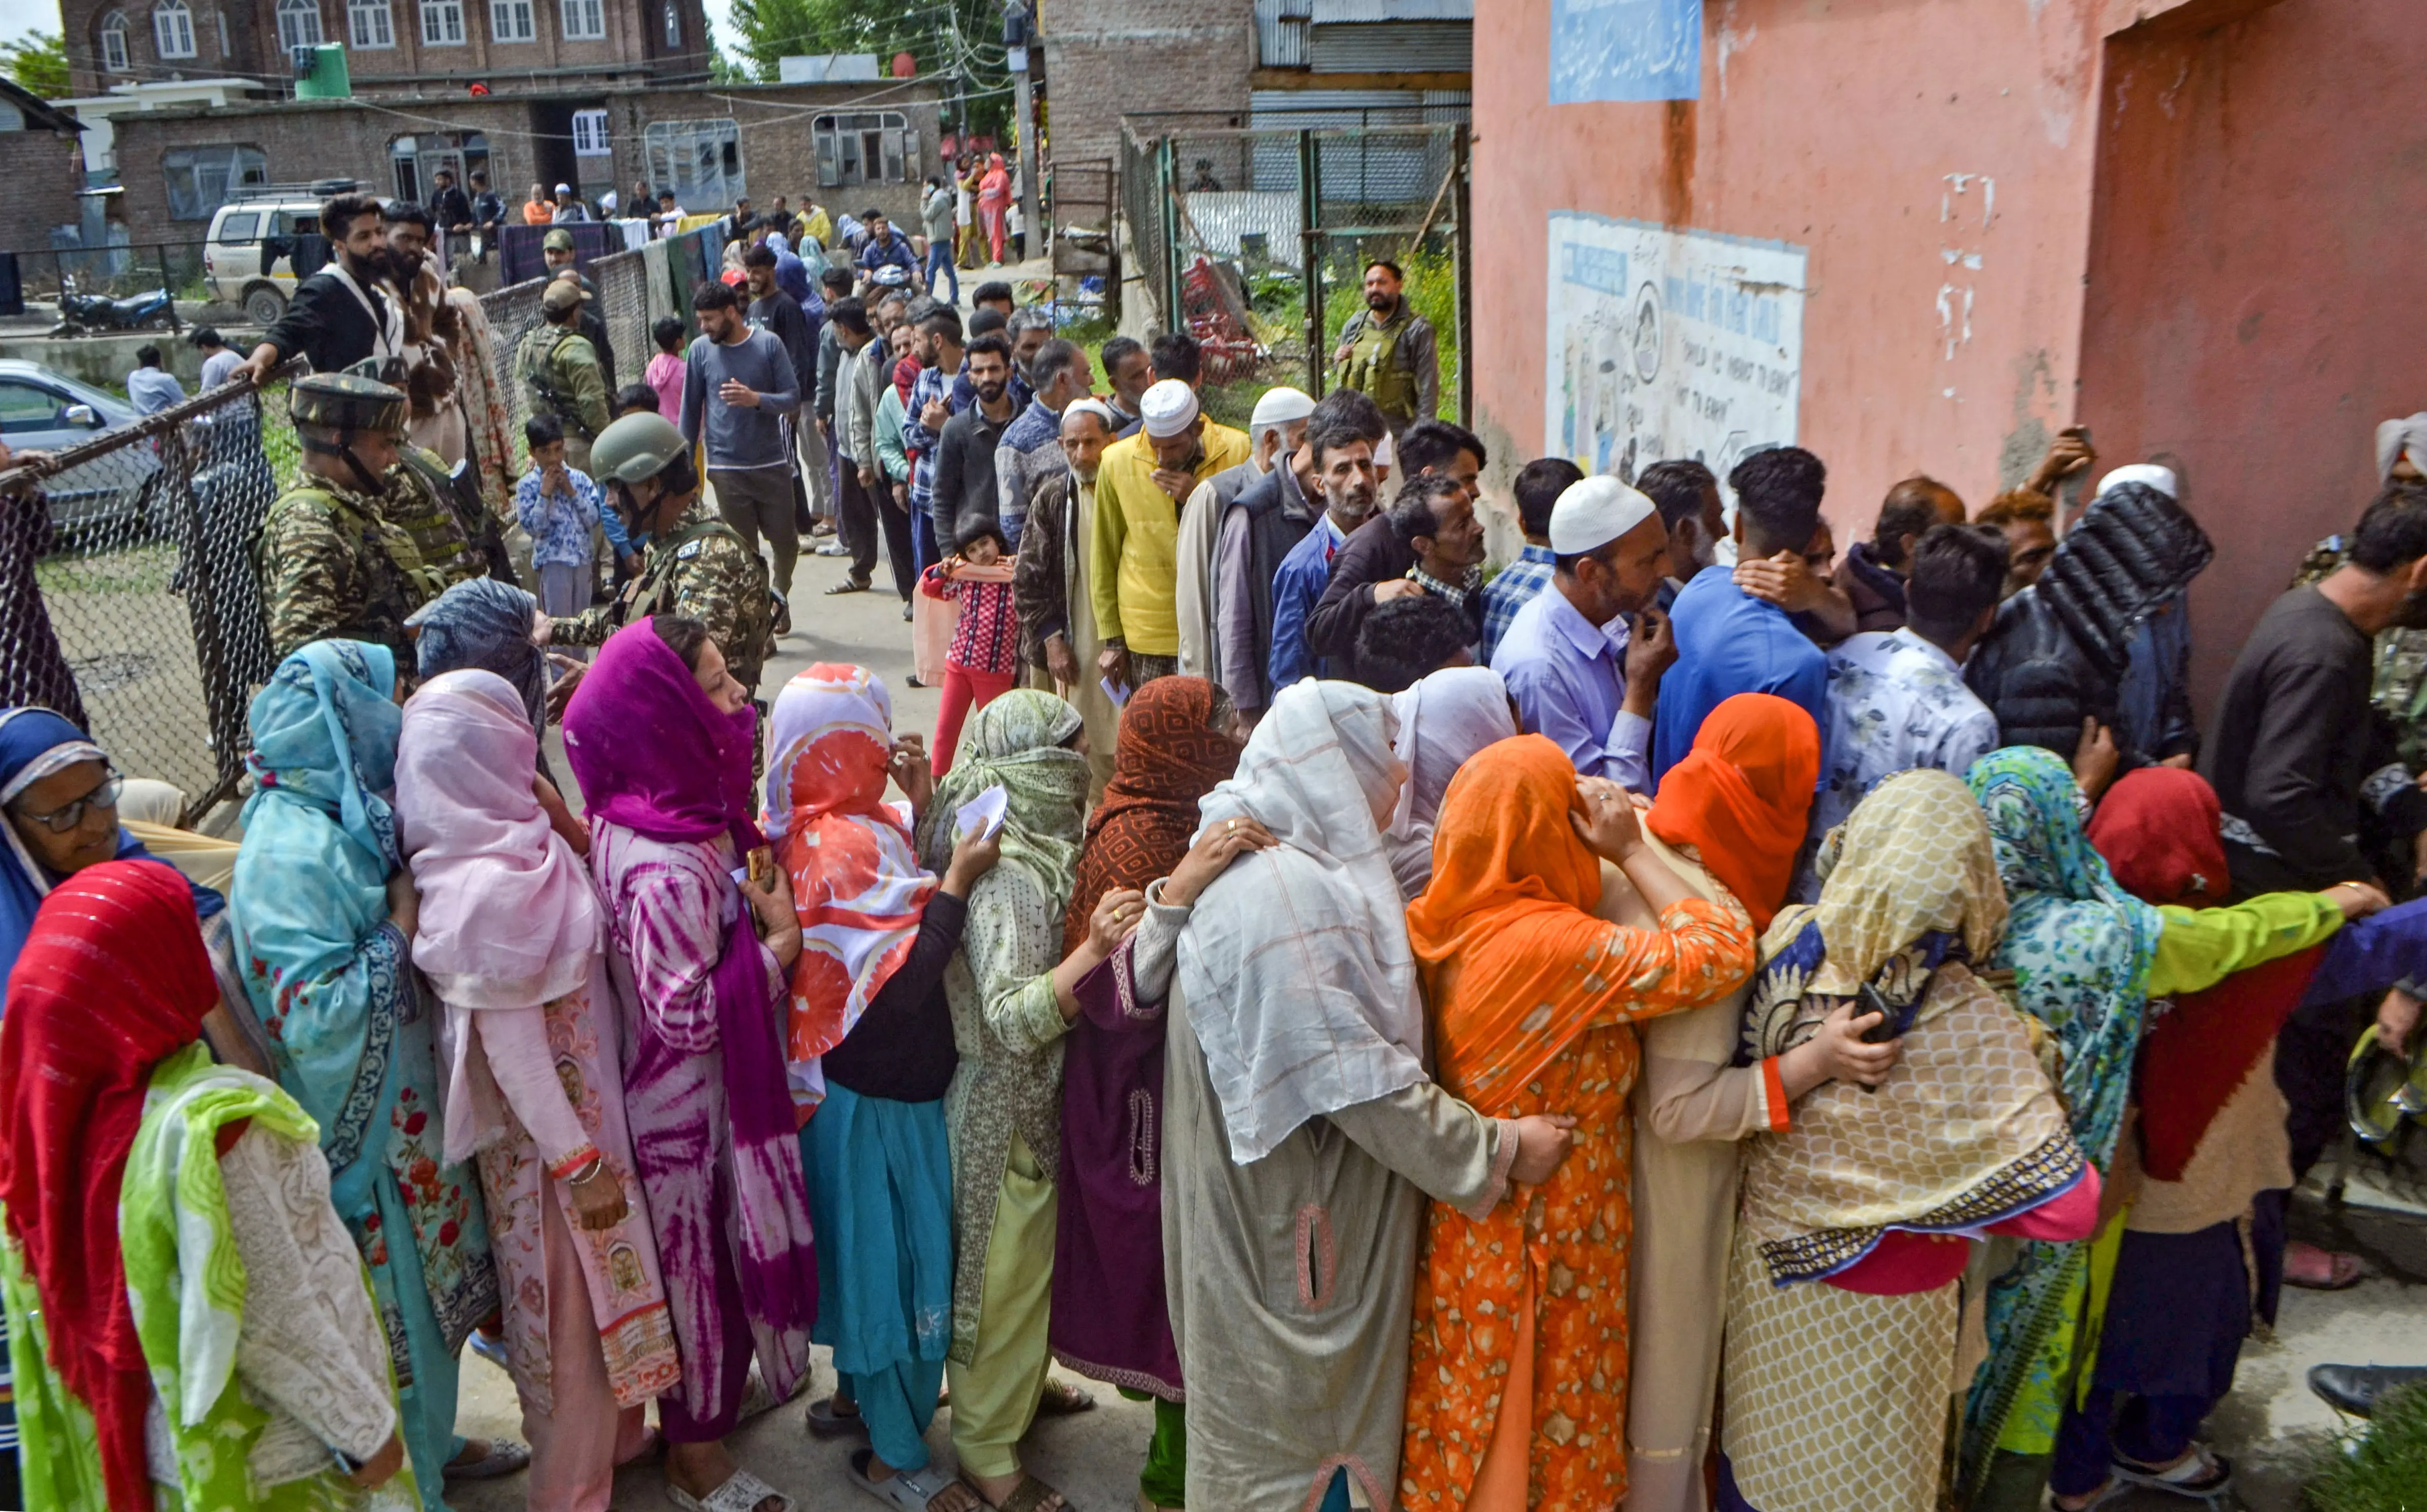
1256, 241
145, 620
144, 565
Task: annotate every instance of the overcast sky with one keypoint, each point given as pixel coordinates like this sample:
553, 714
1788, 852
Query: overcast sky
18, 17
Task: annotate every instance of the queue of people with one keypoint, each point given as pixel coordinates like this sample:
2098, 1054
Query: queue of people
1560, 1038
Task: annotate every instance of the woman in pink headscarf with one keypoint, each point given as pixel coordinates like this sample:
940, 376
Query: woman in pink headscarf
994, 201
658, 735
512, 938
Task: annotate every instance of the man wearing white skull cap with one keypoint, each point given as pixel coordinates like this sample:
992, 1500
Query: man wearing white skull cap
1132, 558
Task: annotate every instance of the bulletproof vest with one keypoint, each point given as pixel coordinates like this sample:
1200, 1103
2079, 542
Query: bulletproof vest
1373, 367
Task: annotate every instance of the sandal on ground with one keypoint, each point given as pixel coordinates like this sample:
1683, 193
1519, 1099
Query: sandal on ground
829, 1424
1030, 1495
832, 546
849, 585
2116, 1486
741, 1492
1061, 1399
504, 1457
910, 1491
2202, 1475
2340, 1270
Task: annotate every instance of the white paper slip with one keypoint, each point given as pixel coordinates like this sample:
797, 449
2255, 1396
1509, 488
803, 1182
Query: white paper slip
982, 815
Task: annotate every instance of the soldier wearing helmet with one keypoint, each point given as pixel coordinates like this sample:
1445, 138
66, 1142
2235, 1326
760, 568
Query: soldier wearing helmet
331, 558
697, 564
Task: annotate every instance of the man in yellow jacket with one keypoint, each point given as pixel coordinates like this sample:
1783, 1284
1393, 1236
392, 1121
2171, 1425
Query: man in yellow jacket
1133, 568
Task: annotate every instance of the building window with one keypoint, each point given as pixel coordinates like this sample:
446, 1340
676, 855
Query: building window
299, 24
367, 22
442, 22
674, 26
589, 134
585, 20
224, 48
417, 159
510, 21
113, 45
201, 179
172, 29
874, 147
699, 160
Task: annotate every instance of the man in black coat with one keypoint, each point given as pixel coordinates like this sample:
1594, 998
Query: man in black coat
965, 475
339, 316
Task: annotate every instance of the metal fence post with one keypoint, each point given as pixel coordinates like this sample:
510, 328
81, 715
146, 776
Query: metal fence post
1461, 255
1310, 221
1167, 214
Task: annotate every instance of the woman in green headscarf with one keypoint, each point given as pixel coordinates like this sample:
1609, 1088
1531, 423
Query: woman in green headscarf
1004, 1110
2087, 957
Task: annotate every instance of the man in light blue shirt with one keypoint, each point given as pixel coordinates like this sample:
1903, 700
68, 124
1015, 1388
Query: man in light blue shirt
1729, 642
151, 387
1587, 690
1344, 466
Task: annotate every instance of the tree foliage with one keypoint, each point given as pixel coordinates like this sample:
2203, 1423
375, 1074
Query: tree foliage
946, 37
39, 62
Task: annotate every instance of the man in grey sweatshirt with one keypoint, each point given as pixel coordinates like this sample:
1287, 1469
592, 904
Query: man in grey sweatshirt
737, 381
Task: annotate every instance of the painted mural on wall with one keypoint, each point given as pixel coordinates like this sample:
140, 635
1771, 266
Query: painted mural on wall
1625, 50
1668, 343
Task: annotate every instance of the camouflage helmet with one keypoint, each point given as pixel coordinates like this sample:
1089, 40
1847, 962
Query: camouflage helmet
347, 402
637, 447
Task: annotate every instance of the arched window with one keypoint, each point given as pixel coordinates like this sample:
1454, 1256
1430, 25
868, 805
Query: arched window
172, 29
370, 23
113, 44
674, 26
299, 24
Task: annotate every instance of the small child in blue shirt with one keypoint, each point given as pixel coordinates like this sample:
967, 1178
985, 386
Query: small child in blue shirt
560, 509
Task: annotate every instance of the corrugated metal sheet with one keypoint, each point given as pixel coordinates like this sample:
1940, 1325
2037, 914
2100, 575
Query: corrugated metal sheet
1325, 12
1265, 106
1281, 37
1391, 46
1378, 170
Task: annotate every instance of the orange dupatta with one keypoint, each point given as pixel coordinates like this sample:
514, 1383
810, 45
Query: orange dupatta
1742, 796
1513, 962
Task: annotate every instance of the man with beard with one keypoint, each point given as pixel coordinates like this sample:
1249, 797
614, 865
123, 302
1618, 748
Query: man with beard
1343, 469
1387, 350
1049, 582
339, 316
2313, 790
1132, 562
965, 475
1428, 542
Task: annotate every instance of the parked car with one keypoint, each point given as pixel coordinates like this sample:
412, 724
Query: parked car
250, 256
42, 410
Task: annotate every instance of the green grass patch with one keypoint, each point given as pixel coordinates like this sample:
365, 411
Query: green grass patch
2384, 1472
140, 569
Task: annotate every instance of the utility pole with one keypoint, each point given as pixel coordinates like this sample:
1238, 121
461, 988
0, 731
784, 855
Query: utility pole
1019, 31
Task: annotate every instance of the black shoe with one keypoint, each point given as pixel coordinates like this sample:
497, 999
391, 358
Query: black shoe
2354, 1388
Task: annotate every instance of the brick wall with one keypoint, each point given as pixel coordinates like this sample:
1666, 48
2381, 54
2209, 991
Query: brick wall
1107, 58
41, 169
317, 138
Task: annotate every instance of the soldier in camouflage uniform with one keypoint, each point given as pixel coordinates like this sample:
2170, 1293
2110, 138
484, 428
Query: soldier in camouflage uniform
420, 500
561, 369
331, 558
697, 565
2401, 690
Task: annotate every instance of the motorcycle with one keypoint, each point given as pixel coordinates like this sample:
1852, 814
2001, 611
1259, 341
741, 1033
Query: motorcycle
83, 312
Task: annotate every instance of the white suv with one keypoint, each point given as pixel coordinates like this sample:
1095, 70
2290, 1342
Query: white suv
249, 258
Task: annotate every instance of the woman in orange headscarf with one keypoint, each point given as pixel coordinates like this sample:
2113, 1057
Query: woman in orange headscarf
1518, 1374
1730, 819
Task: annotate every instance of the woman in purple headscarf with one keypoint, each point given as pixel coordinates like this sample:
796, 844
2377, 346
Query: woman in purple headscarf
659, 736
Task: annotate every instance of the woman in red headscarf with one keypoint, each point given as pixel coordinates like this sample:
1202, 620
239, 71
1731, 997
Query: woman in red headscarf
1517, 1378
274, 1375
1730, 820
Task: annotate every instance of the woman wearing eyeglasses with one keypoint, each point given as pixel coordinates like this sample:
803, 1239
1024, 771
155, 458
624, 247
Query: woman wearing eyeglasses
60, 798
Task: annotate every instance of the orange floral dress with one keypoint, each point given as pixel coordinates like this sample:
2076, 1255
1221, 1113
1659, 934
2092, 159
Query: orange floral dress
1532, 1002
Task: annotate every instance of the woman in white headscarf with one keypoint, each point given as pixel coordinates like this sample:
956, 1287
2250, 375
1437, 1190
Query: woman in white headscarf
1443, 721
1301, 1130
